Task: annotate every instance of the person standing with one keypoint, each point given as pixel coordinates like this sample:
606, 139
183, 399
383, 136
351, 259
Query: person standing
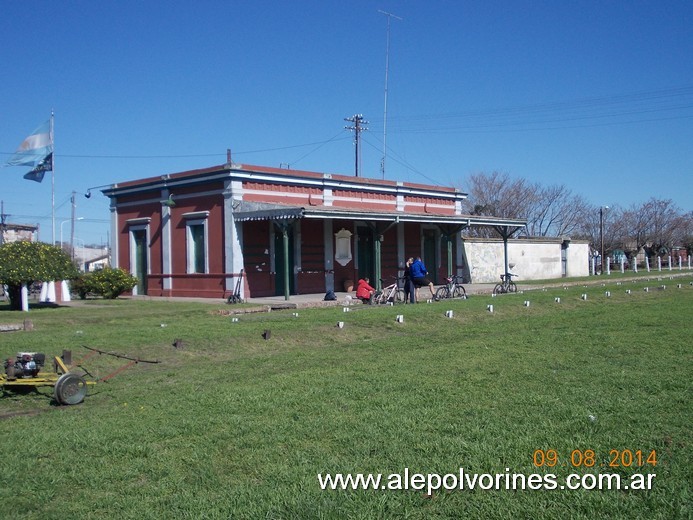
419, 276
409, 291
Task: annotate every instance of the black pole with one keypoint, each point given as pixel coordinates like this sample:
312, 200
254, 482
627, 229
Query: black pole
601, 235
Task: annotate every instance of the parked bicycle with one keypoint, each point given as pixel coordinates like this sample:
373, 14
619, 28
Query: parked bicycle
506, 285
452, 289
393, 293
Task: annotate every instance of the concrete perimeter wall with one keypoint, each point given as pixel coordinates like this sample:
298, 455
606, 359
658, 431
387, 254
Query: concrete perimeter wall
531, 259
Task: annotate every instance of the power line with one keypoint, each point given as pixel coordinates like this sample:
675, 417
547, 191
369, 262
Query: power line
317, 148
589, 108
403, 162
111, 156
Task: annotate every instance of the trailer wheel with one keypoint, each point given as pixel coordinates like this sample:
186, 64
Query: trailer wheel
70, 389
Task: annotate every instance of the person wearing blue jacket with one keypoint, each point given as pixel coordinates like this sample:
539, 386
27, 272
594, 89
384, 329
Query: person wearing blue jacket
419, 277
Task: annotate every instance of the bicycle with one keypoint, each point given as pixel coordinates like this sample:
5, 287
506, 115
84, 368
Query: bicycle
393, 293
506, 285
452, 289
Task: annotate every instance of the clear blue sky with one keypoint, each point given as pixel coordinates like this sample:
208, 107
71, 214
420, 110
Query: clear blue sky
594, 95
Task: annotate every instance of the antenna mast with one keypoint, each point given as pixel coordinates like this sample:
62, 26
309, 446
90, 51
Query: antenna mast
387, 68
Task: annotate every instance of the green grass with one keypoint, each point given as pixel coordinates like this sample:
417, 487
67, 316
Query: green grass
235, 426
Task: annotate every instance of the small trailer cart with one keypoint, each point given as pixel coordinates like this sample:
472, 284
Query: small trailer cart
70, 387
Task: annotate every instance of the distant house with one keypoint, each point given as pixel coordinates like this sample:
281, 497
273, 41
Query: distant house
17, 233
290, 232
93, 258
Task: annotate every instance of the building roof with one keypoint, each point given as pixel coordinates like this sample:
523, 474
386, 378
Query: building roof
251, 172
248, 210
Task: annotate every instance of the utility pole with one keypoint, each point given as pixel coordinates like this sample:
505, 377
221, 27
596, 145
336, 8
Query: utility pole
601, 233
2, 222
72, 227
387, 68
357, 120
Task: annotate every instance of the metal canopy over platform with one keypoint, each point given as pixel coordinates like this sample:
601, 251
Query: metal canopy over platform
246, 211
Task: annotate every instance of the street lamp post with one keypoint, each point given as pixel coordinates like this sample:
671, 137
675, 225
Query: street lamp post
61, 230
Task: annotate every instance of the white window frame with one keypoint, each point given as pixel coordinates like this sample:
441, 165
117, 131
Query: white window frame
198, 218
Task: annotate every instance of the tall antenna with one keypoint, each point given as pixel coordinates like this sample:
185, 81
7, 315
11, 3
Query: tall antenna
387, 68
357, 128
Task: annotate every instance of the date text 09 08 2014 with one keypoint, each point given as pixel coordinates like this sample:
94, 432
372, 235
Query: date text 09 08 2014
588, 458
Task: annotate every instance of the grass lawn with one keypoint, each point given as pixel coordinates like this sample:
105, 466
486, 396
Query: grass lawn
236, 426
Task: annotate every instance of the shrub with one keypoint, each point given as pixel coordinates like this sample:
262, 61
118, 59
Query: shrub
79, 286
108, 283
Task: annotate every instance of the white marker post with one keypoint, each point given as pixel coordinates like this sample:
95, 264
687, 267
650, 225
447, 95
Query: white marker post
25, 298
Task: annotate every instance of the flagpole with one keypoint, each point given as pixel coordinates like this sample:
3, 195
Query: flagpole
53, 177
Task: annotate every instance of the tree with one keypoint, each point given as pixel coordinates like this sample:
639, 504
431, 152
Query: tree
684, 232
592, 221
29, 262
555, 211
653, 225
497, 195
550, 211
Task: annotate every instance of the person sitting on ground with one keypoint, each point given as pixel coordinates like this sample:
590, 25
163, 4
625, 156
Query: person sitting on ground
419, 277
364, 291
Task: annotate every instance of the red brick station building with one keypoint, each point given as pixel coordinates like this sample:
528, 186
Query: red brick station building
282, 232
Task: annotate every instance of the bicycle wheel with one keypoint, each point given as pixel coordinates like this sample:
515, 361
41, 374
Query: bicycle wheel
459, 292
499, 289
442, 293
377, 297
400, 297
512, 287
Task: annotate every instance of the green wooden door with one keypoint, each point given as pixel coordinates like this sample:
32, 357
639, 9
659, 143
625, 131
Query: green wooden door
365, 254
139, 238
430, 255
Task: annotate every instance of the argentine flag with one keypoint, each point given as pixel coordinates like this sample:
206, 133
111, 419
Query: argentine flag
35, 148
